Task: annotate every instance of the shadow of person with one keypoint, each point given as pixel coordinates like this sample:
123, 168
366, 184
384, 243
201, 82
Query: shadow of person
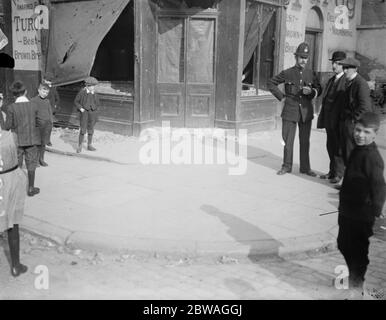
264, 251
259, 242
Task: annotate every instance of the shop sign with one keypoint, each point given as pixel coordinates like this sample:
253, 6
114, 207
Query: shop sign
28, 18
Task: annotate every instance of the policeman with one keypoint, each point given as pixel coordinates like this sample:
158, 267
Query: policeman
301, 86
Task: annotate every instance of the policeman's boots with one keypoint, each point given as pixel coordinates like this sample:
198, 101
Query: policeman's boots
79, 149
89, 143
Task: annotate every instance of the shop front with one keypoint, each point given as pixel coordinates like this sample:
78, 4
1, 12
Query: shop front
201, 63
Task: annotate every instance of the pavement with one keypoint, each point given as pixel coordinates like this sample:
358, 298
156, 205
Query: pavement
110, 200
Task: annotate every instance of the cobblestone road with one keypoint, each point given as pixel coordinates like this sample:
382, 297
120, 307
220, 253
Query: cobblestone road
74, 274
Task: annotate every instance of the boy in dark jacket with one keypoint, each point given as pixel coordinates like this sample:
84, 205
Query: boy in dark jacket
22, 118
45, 114
87, 103
361, 200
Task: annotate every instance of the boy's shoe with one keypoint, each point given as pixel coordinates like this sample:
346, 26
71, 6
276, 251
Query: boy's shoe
335, 180
90, 148
43, 163
32, 191
49, 144
20, 269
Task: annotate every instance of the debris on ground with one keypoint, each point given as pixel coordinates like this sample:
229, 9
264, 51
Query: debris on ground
228, 260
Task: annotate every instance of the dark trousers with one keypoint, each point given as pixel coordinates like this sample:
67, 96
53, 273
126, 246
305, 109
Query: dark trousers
288, 134
45, 132
347, 139
353, 243
88, 118
31, 155
333, 149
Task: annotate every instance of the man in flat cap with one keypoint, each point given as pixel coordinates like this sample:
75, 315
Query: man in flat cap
334, 97
358, 101
87, 102
301, 86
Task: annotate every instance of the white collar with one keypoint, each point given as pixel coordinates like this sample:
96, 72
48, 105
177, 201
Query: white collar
89, 91
353, 76
21, 99
339, 75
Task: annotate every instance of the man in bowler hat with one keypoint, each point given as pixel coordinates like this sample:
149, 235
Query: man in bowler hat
87, 102
301, 86
334, 97
357, 102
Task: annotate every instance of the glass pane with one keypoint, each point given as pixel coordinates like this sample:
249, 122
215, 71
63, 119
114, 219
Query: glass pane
171, 50
201, 51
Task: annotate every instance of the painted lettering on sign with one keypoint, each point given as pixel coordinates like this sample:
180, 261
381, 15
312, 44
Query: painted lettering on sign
294, 34
28, 18
350, 4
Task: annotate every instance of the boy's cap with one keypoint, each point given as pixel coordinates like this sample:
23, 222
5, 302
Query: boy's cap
44, 85
17, 87
350, 63
91, 81
370, 120
47, 82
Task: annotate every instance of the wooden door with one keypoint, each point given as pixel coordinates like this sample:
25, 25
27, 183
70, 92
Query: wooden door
186, 71
200, 84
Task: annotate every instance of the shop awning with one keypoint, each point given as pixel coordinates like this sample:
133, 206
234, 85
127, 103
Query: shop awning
76, 30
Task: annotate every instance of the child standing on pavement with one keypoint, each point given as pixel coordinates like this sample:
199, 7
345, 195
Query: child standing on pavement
45, 114
361, 200
22, 118
87, 103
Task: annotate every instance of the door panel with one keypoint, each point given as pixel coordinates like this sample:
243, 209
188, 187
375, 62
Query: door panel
310, 39
200, 73
170, 101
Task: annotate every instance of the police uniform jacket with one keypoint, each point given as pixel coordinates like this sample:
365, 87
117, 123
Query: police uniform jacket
334, 99
87, 101
297, 106
22, 118
358, 99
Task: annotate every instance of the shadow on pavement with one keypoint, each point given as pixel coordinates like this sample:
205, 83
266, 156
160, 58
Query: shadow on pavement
267, 159
314, 284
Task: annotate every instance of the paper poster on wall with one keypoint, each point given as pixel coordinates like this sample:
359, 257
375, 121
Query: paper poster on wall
25, 35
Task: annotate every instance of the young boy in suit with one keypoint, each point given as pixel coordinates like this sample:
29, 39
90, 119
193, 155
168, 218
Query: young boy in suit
361, 200
45, 114
87, 103
22, 118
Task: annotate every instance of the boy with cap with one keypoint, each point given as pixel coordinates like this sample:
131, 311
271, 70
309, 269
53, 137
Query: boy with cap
358, 101
87, 102
334, 97
45, 115
301, 86
361, 200
22, 118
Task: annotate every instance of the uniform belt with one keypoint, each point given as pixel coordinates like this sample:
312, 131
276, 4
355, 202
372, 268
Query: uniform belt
9, 170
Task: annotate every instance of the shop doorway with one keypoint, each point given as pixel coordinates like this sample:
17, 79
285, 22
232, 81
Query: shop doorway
185, 93
114, 60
